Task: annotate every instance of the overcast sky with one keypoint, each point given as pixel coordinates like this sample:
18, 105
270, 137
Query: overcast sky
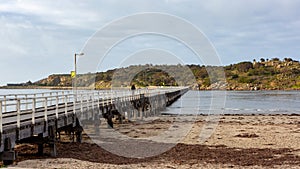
39, 38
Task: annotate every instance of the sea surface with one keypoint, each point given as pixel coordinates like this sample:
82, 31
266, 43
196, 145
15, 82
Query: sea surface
221, 102
23, 91
237, 102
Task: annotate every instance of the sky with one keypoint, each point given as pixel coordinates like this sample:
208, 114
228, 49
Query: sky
40, 38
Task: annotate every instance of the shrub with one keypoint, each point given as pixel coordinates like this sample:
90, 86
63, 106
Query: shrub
244, 79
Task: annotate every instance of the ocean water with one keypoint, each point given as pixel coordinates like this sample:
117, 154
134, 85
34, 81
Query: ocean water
221, 102
23, 91
237, 102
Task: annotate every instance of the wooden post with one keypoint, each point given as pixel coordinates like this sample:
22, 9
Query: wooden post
1, 125
46, 109
4, 103
126, 106
133, 109
51, 133
63, 93
93, 101
81, 103
107, 99
56, 107
33, 111
103, 100
40, 145
26, 104
98, 100
142, 99
43, 102
130, 108
18, 113
111, 97
88, 102
74, 104
66, 105
51, 98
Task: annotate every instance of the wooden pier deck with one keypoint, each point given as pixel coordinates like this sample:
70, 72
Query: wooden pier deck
38, 118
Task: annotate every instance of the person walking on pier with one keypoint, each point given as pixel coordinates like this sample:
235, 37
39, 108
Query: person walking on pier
133, 89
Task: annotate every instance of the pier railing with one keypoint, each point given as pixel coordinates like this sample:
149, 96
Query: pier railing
24, 116
18, 108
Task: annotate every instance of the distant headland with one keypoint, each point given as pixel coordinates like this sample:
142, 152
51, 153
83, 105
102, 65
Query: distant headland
263, 74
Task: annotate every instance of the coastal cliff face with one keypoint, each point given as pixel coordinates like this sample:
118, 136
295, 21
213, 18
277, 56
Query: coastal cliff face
55, 80
257, 75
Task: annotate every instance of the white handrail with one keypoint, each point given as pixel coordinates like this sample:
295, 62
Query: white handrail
1, 126
9, 103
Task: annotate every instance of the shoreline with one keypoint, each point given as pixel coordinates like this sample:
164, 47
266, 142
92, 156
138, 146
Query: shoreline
238, 141
87, 88
234, 114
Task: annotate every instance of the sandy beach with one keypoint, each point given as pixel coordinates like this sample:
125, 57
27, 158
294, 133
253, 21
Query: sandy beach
234, 141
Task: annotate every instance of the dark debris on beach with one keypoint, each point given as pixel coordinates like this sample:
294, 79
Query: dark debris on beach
180, 154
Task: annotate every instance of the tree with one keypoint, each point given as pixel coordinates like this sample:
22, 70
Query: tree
275, 59
288, 59
244, 66
28, 83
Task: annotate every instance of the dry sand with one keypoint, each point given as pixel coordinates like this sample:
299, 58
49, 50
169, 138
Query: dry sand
235, 141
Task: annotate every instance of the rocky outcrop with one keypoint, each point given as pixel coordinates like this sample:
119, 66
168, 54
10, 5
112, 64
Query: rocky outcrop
55, 80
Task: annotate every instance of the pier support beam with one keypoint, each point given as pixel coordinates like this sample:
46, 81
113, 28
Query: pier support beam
78, 131
8, 155
40, 144
52, 140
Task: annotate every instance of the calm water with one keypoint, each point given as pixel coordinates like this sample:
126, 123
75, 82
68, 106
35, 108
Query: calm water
237, 102
222, 102
22, 91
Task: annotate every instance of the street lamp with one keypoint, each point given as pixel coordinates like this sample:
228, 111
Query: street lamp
75, 65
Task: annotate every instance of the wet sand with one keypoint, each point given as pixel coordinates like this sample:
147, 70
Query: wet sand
233, 141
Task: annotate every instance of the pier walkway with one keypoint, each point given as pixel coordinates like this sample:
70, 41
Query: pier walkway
40, 117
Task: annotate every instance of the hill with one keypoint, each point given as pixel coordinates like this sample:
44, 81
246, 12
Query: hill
264, 74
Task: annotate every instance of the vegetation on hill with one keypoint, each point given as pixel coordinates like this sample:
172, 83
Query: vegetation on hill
264, 74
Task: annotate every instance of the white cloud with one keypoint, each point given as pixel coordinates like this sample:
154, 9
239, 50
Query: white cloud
72, 14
